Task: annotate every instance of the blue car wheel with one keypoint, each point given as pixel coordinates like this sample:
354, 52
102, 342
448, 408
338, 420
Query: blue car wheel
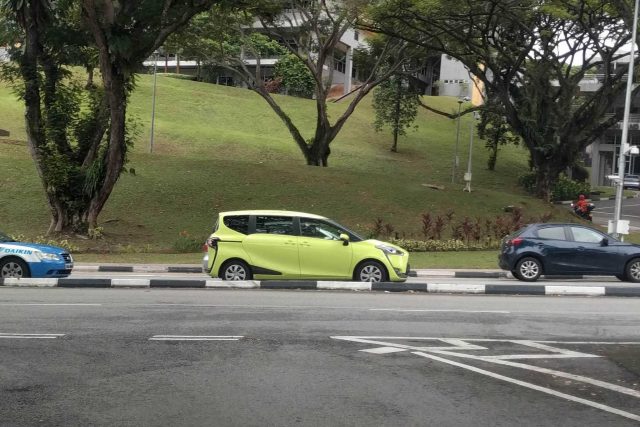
13, 268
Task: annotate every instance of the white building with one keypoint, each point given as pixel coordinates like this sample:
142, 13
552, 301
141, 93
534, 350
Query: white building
603, 153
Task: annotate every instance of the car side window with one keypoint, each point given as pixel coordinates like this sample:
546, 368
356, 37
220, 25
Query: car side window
239, 223
274, 225
584, 235
554, 233
319, 229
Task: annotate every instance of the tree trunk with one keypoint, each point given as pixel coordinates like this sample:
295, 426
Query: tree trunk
117, 96
547, 173
396, 117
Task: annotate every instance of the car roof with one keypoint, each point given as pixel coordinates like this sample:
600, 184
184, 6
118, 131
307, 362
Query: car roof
271, 212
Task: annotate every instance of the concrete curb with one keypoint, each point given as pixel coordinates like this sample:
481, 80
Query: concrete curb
448, 288
461, 274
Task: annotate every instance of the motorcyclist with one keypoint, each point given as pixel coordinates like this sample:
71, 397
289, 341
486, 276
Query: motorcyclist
582, 205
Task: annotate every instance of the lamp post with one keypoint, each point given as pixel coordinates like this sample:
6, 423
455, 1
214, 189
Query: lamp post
467, 176
455, 154
618, 226
153, 98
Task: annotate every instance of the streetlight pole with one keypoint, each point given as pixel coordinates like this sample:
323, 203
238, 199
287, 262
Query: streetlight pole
153, 98
625, 126
455, 155
467, 176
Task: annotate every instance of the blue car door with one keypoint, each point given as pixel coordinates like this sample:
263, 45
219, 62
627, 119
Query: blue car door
592, 255
558, 255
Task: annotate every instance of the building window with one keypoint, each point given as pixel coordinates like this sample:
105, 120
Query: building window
356, 35
339, 62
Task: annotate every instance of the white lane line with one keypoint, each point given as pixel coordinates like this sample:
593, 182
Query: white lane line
48, 304
440, 310
591, 342
196, 338
532, 386
580, 378
31, 336
383, 350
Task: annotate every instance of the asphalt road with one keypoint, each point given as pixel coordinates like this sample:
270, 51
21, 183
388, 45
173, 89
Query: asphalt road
630, 211
255, 358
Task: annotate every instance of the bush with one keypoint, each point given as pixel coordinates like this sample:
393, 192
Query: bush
567, 189
443, 245
563, 189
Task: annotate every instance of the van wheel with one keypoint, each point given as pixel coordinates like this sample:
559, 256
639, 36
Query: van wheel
13, 268
371, 271
235, 270
528, 269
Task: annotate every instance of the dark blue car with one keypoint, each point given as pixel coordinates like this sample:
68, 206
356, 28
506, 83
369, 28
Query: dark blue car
568, 249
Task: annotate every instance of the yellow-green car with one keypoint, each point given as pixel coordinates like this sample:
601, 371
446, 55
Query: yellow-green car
267, 245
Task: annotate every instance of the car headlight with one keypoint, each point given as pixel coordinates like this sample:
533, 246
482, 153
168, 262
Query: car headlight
43, 256
390, 250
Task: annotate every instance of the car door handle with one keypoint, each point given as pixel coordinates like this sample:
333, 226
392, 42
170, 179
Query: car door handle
306, 244
289, 242
580, 248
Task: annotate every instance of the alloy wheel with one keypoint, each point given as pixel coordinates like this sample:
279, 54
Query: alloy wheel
371, 273
11, 270
529, 269
634, 271
235, 272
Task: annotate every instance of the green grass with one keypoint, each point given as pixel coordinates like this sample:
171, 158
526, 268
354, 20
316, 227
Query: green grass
220, 148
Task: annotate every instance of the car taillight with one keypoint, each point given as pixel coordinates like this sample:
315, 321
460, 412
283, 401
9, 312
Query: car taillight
515, 242
205, 248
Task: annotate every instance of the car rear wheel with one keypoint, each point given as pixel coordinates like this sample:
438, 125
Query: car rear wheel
632, 271
371, 271
13, 268
528, 269
235, 270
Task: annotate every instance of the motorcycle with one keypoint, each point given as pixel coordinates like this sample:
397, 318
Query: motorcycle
583, 214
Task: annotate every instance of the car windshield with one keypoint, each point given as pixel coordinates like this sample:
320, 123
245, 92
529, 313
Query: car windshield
5, 238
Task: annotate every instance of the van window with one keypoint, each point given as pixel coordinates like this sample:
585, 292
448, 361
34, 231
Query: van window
274, 225
239, 223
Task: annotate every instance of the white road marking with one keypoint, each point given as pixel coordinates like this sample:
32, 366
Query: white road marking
580, 378
532, 386
196, 338
441, 310
383, 350
31, 336
48, 304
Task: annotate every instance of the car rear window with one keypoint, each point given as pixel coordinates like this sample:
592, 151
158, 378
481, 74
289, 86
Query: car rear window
239, 223
554, 233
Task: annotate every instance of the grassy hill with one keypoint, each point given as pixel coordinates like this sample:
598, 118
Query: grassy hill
222, 148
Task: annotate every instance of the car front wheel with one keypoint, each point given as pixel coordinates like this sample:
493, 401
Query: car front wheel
528, 269
632, 271
371, 271
235, 270
13, 268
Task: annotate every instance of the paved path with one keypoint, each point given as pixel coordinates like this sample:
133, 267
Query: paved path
78, 357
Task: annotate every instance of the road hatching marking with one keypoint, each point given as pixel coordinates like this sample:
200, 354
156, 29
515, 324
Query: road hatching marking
458, 348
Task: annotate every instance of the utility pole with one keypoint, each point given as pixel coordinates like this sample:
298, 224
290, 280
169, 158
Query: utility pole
153, 98
617, 226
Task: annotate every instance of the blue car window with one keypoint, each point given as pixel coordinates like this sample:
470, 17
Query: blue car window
554, 233
584, 235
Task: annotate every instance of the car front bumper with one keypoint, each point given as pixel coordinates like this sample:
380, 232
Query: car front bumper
49, 269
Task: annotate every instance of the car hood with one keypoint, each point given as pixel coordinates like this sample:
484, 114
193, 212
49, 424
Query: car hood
374, 242
33, 246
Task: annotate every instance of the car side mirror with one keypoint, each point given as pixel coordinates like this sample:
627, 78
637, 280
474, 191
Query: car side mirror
345, 239
604, 242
